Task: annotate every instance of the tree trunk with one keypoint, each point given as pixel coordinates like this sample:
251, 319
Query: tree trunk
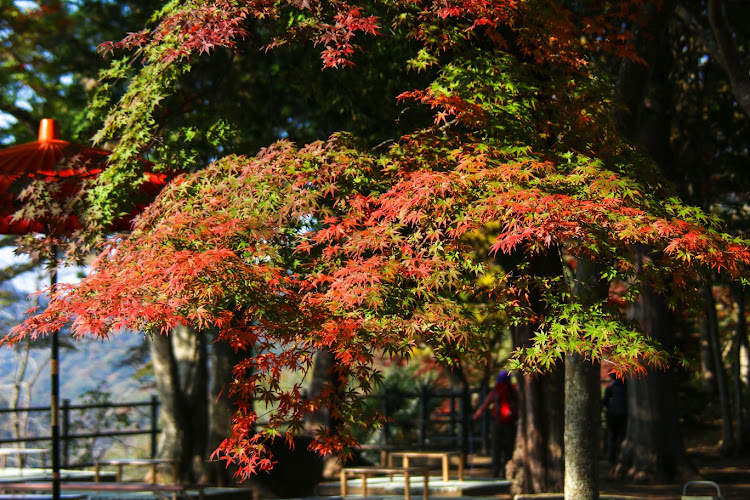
745, 355
22, 361
221, 410
708, 374
727, 440
582, 399
180, 368
729, 54
635, 77
537, 464
653, 450
321, 376
740, 333
581, 428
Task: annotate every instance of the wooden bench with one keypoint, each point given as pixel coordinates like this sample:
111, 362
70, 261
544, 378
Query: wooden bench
38, 496
443, 455
172, 491
365, 472
121, 462
4, 452
381, 449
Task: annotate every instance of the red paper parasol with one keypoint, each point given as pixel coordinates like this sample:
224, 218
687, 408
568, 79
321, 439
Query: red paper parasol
66, 165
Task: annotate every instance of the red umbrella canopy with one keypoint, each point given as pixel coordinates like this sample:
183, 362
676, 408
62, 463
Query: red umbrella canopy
58, 162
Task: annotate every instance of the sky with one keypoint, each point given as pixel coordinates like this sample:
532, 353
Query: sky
28, 282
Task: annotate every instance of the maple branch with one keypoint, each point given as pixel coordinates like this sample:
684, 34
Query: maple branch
722, 46
446, 125
26, 118
732, 61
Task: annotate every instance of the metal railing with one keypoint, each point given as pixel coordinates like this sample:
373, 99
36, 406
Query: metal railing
426, 418
68, 435
430, 418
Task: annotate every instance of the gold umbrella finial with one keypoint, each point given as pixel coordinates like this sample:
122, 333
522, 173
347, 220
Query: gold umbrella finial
49, 130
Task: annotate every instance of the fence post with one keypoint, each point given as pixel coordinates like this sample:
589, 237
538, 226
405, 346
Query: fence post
65, 433
423, 416
453, 414
485, 422
466, 427
384, 436
154, 424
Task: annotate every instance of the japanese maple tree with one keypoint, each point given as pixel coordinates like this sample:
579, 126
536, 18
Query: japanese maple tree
363, 250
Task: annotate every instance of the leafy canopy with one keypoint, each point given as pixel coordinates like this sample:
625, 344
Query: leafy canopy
365, 250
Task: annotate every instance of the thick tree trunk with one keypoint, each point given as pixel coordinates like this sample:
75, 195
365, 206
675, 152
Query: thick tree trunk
708, 374
180, 367
324, 375
744, 352
740, 333
582, 424
727, 434
537, 464
729, 55
321, 376
582, 399
634, 79
22, 360
221, 409
653, 450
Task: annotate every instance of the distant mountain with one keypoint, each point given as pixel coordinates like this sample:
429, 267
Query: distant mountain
85, 366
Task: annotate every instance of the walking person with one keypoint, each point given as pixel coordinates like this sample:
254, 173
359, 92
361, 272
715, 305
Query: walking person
503, 400
615, 402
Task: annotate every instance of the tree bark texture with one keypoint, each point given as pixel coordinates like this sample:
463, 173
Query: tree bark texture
729, 54
635, 77
582, 426
537, 464
740, 336
222, 360
710, 317
180, 368
582, 398
321, 376
708, 374
653, 450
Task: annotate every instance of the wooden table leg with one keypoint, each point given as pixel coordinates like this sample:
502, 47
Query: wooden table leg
343, 483
446, 473
153, 473
407, 486
364, 484
96, 472
426, 492
461, 467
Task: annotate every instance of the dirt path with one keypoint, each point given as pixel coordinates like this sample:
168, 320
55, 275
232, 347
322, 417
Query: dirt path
732, 474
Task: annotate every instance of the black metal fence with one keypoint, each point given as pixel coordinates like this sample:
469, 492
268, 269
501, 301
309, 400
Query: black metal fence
424, 419
146, 422
433, 419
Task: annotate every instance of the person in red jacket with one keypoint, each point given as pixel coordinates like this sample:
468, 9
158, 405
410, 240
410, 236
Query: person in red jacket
503, 399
